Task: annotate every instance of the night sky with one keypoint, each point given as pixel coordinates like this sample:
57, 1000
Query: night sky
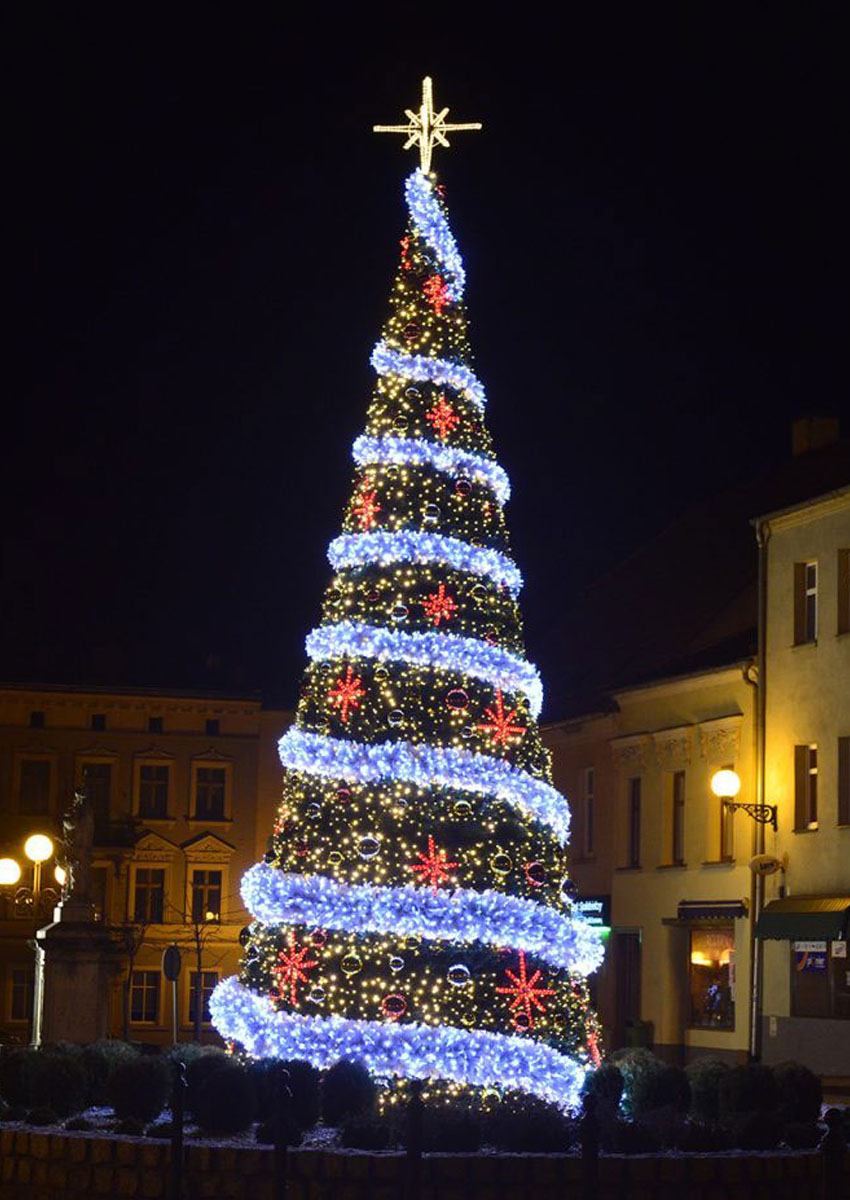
203, 232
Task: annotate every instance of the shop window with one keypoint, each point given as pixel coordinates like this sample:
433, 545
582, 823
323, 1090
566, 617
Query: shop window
820, 980
712, 978
209, 980
805, 787
144, 997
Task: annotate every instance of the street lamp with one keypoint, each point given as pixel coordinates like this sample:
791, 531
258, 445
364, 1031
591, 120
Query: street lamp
38, 848
726, 785
10, 872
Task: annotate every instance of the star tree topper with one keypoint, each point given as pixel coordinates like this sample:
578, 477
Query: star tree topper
426, 128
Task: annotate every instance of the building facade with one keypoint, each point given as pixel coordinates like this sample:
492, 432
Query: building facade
805, 639
184, 789
666, 858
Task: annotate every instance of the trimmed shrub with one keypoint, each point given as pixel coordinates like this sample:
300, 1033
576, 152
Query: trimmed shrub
139, 1089
4, 1109
605, 1084
799, 1093
746, 1089
755, 1130
303, 1083
449, 1129
699, 1138
160, 1129
16, 1112
654, 1090
635, 1065
99, 1061
60, 1084
802, 1136
198, 1071
226, 1101
630, 1137
129, 1127
704, 1076
79, 1125
19, 1071
348, 1090
264, 1134
365, 1133
42, 1116
529, 1126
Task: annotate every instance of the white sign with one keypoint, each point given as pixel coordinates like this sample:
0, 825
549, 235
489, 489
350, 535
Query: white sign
839, 949
810, 947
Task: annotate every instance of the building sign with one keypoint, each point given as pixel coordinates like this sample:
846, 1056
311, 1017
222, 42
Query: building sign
596, 910
839, 949
810, 956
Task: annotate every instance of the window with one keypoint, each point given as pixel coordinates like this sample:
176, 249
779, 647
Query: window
153, 791
634, 823
20, 1008
677, 848
805, 602
97, 780
208, 981
144, 997
589, 811
805, 787
844, 591
36, 720
154, 724
99, 877
149, 898
212, 727
98, 722
844, 781
712, 978
210, 788
820, 980
206, 895
34, 792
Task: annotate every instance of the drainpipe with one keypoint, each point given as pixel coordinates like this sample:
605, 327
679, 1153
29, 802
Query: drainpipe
757, 887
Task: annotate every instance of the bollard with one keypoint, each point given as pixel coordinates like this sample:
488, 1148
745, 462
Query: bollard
178, 1109
833, 1148
413, 1160
590, 1148
281, 1120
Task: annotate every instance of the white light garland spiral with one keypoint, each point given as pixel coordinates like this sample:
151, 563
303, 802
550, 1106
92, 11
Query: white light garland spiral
423, 369
383, 547
368, 451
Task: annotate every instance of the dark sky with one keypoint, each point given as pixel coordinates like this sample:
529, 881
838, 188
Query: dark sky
202, 235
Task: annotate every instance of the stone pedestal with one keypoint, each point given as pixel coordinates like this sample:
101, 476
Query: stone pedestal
75, 964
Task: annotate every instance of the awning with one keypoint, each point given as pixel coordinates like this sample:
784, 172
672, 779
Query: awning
805, 918
690, 911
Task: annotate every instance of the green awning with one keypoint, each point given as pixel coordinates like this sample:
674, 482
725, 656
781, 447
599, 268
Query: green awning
805, 918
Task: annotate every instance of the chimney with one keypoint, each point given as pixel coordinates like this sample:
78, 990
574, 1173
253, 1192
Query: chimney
813, 433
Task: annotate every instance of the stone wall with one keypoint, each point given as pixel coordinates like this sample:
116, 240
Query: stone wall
62, 1166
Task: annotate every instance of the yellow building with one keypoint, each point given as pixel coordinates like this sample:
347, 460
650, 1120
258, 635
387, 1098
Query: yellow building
805, 640
185, 788
667, 861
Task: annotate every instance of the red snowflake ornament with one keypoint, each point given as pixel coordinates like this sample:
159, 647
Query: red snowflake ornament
433, 867
526, 994
406, 264
437, 293
500, 726
346, 692
291, 969
443, 418
439, 606
365, 507
593, 1047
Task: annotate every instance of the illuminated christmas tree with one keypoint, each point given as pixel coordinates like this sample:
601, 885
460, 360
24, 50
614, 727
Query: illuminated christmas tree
413, 911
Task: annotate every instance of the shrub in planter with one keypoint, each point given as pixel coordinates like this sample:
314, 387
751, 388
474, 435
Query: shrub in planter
139, 1088
198, 1071
366, 1133
704, 1076
605, 1084
129, 1127
4, 1109
755, 1130
528, 1126
698, 1137
60, 1084
42, 1116
79, 1125
799, 1093
450, 1130
635, 1065
264, 1134
16, 1112
746, 1089
226, 1101
667, 1088
19, 1071
303, 1083
99, 1060
160, 1129
630, 1137
348, 1090
802, 1136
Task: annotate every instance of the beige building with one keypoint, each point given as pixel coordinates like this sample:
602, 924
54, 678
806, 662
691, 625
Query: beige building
805, 639
653, 842
185, 788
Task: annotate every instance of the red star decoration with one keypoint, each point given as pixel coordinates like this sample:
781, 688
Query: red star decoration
499, 727
436, 293
443, 418
438, 606
347, 692
292, 967
405, 253
366, 508
525, 992
433, 867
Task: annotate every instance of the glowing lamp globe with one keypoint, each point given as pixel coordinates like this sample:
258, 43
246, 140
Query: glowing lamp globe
10, 872
38, 848
726, 784
60, 875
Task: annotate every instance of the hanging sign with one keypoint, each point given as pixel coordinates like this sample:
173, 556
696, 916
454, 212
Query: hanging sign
839, 949
596, 910
810, 956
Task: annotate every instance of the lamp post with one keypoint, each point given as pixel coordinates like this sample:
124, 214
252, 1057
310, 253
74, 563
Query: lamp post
726, 785
38, 848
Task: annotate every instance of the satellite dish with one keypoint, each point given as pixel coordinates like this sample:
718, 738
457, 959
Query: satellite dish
764, 864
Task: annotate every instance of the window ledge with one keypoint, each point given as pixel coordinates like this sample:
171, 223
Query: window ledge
217, 821
709, 1028
672, 867
807, 829
164, 822
626, 870
804, 645
719, 862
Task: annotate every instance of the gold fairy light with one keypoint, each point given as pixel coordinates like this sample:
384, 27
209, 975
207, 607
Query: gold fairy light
427, 128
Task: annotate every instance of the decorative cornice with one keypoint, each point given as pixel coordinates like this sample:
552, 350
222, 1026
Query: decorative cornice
152, 848
720, 739
629, 753
674, 747
208, 848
